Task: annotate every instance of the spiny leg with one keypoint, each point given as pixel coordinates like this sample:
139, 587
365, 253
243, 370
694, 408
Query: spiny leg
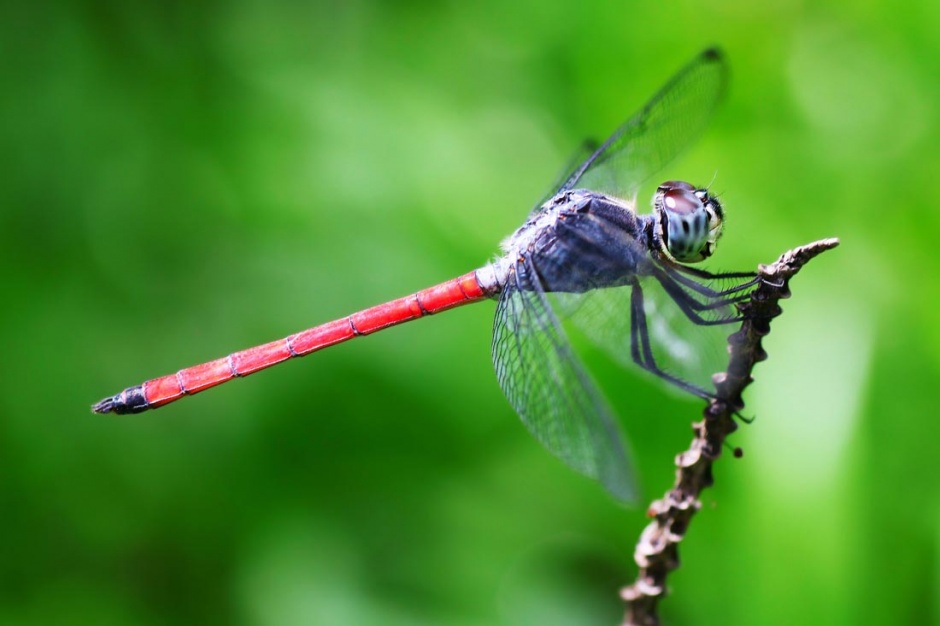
642, 352
676, 273
691, 307
700, 273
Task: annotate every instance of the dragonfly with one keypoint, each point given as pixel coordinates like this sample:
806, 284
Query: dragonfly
584, 253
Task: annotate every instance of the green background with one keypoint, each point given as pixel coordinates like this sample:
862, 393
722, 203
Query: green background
182, 180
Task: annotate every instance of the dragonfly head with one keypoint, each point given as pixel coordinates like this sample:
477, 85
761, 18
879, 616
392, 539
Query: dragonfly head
686, 221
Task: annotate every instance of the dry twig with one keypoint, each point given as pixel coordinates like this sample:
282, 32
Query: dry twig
656, 552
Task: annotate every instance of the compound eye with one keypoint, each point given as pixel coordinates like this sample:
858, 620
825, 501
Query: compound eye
690, 222
676, 184
681, 201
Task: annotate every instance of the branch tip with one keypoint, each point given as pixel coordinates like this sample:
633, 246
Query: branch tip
656, 552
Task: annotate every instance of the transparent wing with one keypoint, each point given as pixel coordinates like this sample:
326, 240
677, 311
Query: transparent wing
656, 134
550, 390
588, 147
690, 351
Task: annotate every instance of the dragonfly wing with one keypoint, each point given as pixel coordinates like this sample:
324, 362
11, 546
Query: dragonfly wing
657, 133
689, 351
550, 389
588, 147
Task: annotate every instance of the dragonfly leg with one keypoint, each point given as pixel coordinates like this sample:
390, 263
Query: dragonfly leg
692, 307
700, 273
676, 274
642, 352
754, 278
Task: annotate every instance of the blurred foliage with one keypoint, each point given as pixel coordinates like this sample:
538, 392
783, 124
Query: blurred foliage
180, 180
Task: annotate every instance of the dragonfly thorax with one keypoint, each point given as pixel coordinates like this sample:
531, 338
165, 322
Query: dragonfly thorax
577, 241
687, 221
